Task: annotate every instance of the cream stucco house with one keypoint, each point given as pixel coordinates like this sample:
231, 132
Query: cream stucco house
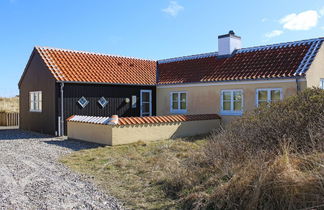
235, 80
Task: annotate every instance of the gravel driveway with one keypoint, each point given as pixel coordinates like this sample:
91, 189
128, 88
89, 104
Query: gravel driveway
32, 178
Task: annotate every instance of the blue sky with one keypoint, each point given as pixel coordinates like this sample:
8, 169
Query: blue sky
153, 29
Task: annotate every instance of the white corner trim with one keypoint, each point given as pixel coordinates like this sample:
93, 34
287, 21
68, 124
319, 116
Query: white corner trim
230, 83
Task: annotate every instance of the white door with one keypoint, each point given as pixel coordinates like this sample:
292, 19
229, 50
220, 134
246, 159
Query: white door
146, 103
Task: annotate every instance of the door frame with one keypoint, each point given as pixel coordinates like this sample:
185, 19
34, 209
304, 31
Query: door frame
141, 102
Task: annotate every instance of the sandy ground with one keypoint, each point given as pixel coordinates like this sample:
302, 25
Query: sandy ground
32, 178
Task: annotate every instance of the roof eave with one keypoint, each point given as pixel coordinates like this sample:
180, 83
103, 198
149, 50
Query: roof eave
103, 83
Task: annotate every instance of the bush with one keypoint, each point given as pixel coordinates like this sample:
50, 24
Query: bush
272, 158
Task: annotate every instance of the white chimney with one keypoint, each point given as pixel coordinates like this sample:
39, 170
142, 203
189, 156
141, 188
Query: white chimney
227, 43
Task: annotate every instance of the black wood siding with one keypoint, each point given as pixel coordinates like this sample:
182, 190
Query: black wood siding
114, 94
37, 78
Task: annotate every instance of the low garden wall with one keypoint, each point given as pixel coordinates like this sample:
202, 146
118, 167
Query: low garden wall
133, 129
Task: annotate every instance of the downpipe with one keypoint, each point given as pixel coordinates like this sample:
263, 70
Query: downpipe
62, 111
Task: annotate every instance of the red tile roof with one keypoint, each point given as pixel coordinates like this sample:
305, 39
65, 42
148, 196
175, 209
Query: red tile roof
143, 120
273, 61
76, 66
265, 62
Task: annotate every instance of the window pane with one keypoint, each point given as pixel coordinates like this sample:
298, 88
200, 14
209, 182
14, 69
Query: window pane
40, 106
35, 105
145, 97
183, 105
40, 96
237, 105
183, 97
263, 95
146, 107
175, 97
227, 106
275, 95
227, 95
237, 95
175, 105
32, 107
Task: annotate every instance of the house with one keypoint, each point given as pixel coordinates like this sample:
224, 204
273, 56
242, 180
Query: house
59, 83
228, 82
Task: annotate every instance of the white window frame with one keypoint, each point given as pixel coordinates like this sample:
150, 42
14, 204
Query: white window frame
38, 102
269, 94
104, 104
83, 105
141, 102
232, 111
179, 110
322, 83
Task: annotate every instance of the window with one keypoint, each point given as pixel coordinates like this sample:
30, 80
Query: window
35, 100
178, 102
83, 102
103, 102
134, 98
322, 84
265, 96
231, 102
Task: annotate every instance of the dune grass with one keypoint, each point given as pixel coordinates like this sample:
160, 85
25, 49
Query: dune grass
132, 173
9, 104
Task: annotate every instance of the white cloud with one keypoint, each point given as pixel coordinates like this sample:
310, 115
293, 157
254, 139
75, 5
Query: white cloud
173, 9
301, 21
274, 33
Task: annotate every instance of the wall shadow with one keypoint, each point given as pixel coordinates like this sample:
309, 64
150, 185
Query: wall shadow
74, 145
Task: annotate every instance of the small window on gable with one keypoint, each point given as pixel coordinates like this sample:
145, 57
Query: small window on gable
83, 102
35, 101
178, 102
231, 102
103, 102
322, 84
270, 95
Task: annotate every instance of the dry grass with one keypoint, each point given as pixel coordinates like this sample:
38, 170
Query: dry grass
133, 172
272, 158
9, 104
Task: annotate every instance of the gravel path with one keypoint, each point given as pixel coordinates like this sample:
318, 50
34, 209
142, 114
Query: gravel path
32, 178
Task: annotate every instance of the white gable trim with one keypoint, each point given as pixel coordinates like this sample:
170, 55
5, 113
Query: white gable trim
230, 83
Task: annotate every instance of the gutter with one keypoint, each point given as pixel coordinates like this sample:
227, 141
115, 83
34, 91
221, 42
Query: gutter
62, 111
297, 85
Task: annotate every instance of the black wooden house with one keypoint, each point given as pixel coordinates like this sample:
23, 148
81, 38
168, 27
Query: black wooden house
58, 83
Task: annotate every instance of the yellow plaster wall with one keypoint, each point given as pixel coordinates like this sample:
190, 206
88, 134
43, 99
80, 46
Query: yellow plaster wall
152, 132
316, 70
116, 135
101, 134
206, 99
